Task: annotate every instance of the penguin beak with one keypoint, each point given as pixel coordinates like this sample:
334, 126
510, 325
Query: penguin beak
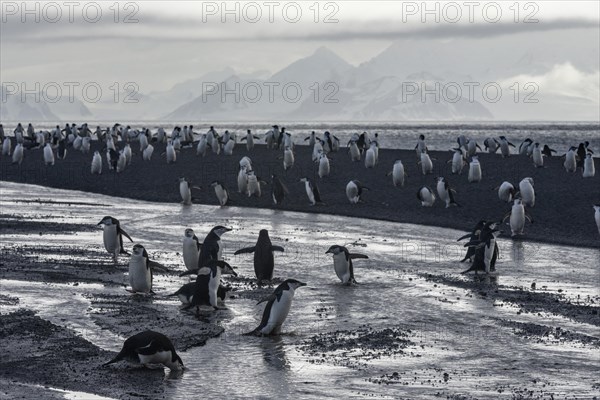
99, 223
302, 284
328, 252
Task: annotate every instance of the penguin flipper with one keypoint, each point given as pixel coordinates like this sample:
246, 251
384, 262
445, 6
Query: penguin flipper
122, 232
245, 250
357, 255
158, 266
468, 235
277, 248
270, 297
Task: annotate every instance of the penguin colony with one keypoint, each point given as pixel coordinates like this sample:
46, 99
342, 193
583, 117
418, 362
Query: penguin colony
204, 258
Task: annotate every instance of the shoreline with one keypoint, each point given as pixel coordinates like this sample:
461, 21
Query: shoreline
557, 192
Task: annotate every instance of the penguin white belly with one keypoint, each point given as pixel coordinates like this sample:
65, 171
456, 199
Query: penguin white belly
147, 154
517, 220
504, 149
111, 239
527, 194
288, 159
221, 195
186, 193
398, 175
504, 192
538, 160
323, 167
597, 217
352, 193
354, 152
213, 287
570, 163
190, 254
216, 148
48, 155
279, 312
96, 164
140, 277
6, 147
341, 267
488, 254
309, 193
457, 163
426, 164
242, 181
253, 188
160, 357
228, 148
370, 158
201, 149
588, 168
474, 172
171, 155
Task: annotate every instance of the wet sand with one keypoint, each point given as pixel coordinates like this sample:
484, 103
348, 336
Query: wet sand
68, 359
563, 212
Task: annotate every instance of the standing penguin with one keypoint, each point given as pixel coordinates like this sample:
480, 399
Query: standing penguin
517, 218
426, 164
208, 282
48, 154
491, 145
485, 249
506, 192
527, 192
570, 163
420, 147
149, 347
202, 146
474, 235
113, 236
264, 262
504, 146
474, 170
249, 138
18, 154
253, 187
445, 192
311, 139
458, 161
588, 166
6, 146
191, 250
312, 191
324, 168
371, 156
186, 294
211, 248
140, 273
96, 163
398, 174
524, 147
279, 190
426, 196
221, 193
277, 308
354, 151
354, 190
342, 263
538, 157
185, 190
288, 158
171, 154
547, 151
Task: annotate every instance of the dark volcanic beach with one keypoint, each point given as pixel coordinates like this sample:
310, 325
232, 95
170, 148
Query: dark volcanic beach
563, 212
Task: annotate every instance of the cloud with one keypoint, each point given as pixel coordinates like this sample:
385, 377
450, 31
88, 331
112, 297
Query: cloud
563, 80
164, 29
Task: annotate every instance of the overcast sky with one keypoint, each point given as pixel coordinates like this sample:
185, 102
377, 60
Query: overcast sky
175, 41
